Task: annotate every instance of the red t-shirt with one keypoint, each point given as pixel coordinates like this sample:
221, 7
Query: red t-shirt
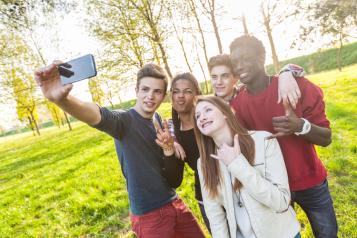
255, 112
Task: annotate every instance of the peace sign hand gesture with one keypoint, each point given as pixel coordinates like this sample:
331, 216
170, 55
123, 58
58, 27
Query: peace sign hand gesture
164, 138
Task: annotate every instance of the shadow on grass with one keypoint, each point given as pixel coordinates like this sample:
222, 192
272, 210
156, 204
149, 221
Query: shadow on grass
47, 157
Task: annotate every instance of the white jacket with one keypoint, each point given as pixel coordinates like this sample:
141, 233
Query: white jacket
265, 194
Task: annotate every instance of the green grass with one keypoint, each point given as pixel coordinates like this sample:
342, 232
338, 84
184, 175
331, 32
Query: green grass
69, 184
323, 60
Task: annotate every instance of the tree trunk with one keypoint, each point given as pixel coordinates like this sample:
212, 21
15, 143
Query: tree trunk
273, 52
339, 53
164, 58
244, 22
111, 104
31, 126
35, 123
67, 120
147, 15
182, 46
268, 29
215, 27
57, 119
120, 101
203, 72
193, 9
155, 53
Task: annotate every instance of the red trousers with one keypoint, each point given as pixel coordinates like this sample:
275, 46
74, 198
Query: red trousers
173, 220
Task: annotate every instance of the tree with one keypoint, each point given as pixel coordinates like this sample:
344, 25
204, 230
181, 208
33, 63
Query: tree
23, 88
180, 31
96, 91
151, 12
2, 130
22, 17
265, 10
17, 82
336, 19
273, 14
120, 31
210, 9
56, 114
128, 43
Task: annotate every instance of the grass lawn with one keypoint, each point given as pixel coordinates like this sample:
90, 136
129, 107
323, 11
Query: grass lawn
69, 184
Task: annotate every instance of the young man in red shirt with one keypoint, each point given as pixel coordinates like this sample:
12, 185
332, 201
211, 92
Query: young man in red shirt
296, 130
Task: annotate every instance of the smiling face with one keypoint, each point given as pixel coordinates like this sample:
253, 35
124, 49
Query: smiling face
246, 64
150, 93
223, 81
183, 93
209, 119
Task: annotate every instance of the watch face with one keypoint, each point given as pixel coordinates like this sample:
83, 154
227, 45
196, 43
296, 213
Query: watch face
306, 127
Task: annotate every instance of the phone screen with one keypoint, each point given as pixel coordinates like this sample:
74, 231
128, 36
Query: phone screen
77, 69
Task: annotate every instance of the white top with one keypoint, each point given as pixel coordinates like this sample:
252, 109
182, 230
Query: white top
265, 195
244, 228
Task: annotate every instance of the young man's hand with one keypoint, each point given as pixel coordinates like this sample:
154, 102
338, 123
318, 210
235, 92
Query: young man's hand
227, 153
164, 138
288, 89
288, 124
48, 79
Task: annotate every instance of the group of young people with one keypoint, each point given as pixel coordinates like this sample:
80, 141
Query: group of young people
251, 147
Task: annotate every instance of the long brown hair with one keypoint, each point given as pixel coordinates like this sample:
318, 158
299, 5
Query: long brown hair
206, 146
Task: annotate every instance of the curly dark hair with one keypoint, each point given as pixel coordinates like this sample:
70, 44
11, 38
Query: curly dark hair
249, 41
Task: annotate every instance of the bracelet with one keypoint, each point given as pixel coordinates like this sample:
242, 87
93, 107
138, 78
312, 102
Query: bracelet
169, 146
306, 128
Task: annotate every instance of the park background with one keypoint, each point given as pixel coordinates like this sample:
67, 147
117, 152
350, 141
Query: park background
61, 178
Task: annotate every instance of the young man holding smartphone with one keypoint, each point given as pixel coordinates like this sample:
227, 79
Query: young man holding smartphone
156, 210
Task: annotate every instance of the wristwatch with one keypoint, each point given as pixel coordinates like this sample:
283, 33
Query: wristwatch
306, 128
296, 70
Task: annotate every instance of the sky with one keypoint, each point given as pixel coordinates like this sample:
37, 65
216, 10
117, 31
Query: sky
74, 40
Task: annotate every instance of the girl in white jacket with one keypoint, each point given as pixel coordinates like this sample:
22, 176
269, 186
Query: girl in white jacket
243, 176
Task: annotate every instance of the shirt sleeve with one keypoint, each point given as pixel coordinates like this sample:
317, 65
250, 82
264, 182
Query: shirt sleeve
173, 171
312, 104
112, 122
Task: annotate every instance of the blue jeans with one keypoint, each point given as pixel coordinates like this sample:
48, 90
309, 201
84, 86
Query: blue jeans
317, 204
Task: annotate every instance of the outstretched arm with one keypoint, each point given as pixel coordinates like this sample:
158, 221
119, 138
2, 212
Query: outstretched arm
48, 79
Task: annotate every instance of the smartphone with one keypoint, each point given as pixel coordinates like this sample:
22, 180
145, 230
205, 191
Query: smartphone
77, 69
